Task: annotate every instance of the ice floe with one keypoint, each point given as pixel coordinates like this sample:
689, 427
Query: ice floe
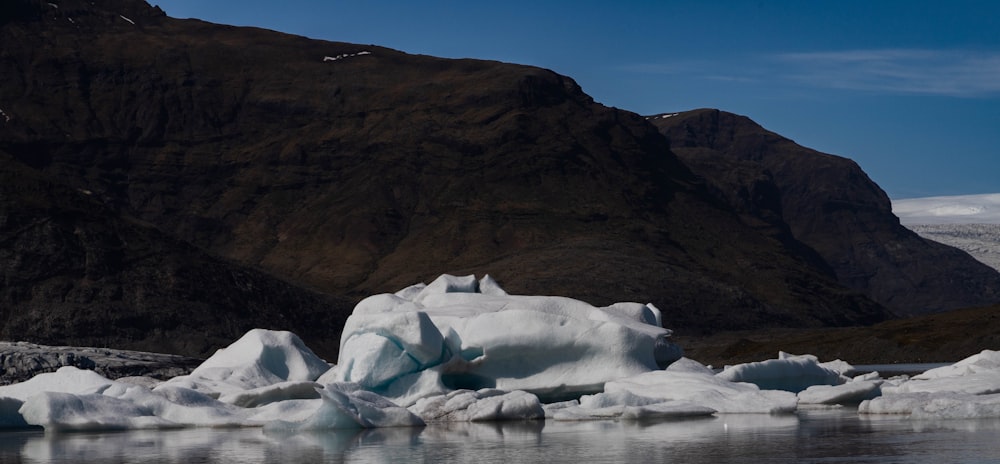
788, 372
967, 389
463, 350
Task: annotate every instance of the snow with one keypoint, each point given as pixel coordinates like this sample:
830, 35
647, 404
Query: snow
345, 55
6, 117
126, 19
463, 350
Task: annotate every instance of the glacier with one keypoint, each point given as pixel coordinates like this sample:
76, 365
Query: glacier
462, 349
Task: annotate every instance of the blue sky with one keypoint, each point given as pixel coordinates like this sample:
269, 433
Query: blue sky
908, 89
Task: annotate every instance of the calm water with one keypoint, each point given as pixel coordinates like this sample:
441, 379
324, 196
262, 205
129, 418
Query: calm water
811, 436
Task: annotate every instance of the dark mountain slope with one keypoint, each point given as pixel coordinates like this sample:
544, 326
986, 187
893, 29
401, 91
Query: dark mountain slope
828, 204
75, 273
357, 169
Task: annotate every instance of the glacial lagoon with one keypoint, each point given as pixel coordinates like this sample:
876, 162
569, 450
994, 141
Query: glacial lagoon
830, 436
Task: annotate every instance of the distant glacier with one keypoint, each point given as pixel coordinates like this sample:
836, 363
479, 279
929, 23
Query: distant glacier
970, 223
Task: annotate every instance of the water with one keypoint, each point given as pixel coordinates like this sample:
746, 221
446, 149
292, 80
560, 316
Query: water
826, 436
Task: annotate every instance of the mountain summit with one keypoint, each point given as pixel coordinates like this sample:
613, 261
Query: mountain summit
332, 171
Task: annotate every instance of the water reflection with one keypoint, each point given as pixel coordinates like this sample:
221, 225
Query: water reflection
830, 436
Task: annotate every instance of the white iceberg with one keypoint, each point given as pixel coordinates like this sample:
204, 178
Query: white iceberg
849, 393
938, 405
967, 389
459, 333
788, 372
685, 388
260, 358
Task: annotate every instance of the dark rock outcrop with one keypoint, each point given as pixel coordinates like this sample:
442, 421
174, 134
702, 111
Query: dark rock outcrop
21, 361
827, 210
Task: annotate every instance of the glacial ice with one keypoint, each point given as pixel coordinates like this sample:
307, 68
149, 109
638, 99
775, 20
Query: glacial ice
462, 349
967, 389
461, 333
788, 372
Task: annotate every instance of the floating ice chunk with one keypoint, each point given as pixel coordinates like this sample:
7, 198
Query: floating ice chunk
482, 405
977, 375
985, 361
941, 405
628, 405
258, 359
67, 379
550, 346
706, 390
57, 411
789, 373
848, 393
980, 383
344, 406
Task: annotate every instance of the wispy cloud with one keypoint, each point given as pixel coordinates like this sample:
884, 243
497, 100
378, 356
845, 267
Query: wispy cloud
954, 73
913, 71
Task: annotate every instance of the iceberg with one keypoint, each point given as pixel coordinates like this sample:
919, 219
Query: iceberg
968, 389
459, 333
788, 372
260, 358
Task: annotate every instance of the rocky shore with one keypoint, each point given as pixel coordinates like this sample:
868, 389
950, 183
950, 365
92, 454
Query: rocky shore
20, 361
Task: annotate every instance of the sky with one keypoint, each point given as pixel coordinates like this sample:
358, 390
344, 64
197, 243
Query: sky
910, 90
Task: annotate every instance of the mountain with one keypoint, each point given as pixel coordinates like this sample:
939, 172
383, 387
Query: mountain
826, 208
75, 272
235, 168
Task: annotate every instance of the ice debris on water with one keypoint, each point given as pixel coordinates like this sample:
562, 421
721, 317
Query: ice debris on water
462, 349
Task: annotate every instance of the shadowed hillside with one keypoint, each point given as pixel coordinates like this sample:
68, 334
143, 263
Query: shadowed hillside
826, 207
348, 170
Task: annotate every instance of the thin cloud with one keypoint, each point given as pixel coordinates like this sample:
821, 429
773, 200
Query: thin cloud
954, 73
912, 71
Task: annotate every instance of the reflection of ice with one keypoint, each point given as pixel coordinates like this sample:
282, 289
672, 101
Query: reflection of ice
759, 438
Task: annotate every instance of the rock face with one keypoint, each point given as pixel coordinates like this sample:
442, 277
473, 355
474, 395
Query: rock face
207, 179
825, 209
